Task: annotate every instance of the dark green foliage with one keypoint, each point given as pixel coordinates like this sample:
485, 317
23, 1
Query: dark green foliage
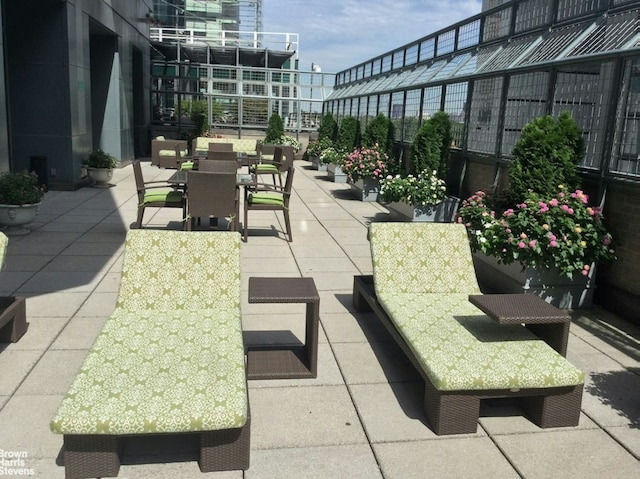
546, 155
100, 159
275, 129
328, 128
379, 131
21, 188
348, 134
430, 147
199, 116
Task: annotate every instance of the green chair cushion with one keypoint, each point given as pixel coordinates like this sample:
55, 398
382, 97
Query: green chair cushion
266, 199
187, 165
168, 196
183, 153
460, 348
171, 356
159, 372
266, 168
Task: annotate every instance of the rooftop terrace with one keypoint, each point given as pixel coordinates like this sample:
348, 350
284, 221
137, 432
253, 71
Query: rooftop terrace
361, 418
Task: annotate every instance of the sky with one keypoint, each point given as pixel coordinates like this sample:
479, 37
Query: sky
338, 34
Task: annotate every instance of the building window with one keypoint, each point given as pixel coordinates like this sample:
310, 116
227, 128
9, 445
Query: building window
626, 155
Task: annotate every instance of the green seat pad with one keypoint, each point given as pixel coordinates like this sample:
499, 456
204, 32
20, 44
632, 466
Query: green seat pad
266, 168
183, 153
168, 196
266, 199
187, 165
460, 348
159, 372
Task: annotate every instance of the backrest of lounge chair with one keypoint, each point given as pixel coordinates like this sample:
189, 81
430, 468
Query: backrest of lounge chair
421, 258
169, 270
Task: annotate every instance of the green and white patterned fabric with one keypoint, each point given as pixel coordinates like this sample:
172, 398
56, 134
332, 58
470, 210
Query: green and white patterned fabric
4, 241
423, 275
171, 357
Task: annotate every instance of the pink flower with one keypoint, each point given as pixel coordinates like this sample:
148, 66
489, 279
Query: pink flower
553, 202
552, 237
553, 243
561, 195
521, 245
532, 244
508, 212
585, 272
607, 240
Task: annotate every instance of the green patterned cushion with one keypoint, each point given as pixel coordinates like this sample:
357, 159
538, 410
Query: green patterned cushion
169, 196
171, 356
4, 241
266, 199
460, 348
183, 153
266, 168
423, 275
422, 258
187, 165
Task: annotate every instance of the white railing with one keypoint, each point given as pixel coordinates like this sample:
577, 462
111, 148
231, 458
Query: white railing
227, 38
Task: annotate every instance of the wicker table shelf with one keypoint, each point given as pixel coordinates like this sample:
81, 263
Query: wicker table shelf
278, 362
543, 319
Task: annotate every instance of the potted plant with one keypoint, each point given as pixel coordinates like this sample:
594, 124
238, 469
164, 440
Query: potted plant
100, 165
365, 167
333, 158
418, 198
20, 196
314, 151
555, 241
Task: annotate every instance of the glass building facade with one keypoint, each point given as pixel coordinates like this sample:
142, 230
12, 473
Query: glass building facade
494, 72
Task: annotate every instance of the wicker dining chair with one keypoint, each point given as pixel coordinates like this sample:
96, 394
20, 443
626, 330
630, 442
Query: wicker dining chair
270, 197
156, 194
212, 194
218, 166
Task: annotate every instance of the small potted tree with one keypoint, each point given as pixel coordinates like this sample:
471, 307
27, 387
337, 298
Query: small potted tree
20, 196
100, 165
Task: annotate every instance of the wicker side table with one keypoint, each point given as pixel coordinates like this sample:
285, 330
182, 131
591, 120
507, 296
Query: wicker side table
291, 362
543, 319
13, 318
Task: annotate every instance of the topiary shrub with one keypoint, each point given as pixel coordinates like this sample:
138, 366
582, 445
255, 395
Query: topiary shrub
379, 131
328, 128
546, 155
199, 116
348, 134
430, 147
275, 129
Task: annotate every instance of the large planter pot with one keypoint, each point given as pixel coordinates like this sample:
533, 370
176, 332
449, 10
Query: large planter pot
366, 189
100, 176
13, 218
318, 164
443, 212
548, 284
336, 174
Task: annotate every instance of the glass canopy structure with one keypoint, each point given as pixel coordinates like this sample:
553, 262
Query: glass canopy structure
516, 60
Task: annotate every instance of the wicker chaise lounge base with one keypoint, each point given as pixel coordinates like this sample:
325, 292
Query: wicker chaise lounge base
461, 354
169, 361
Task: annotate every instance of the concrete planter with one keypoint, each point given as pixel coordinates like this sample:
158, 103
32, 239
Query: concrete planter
443, 212
14, 217
548, 284
100, 176
336, 174
366, 189
319, 165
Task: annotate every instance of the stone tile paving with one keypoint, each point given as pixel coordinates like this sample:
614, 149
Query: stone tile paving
361, 418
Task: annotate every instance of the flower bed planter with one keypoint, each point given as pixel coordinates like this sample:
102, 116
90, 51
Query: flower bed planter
319, 165
548, 284
336, 174
366, 189
443, 212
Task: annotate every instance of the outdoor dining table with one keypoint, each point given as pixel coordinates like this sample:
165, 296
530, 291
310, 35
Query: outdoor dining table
179, 178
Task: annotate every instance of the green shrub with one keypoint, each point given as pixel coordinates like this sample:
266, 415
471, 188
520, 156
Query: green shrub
328, 128
21, 188
100, 159
275, 129
348, 134
430, 147
379, 131
199, 116
546, 155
